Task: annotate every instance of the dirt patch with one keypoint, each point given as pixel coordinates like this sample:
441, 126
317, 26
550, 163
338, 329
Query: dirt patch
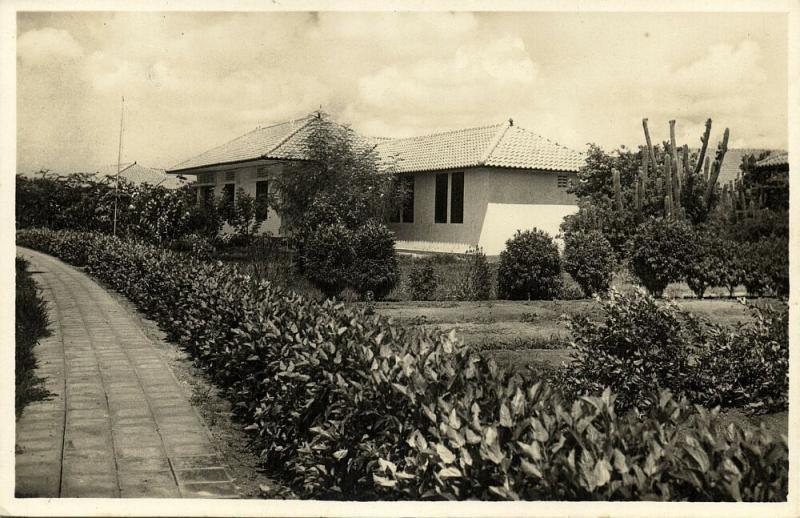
227, 435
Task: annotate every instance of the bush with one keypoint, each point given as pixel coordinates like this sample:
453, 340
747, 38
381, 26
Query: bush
732, 271
639, 347
765, 267
747, 366
375, 268
30, 325
422, 281
589, 259
198, 246
570, 290
706, 264
475, 281
334, 258
660, 250
433, 420
530, 267
327, 256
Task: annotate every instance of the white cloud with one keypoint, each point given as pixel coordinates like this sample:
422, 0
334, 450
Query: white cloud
44, 46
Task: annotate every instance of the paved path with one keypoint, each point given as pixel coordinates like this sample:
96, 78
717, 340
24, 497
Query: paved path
119, 424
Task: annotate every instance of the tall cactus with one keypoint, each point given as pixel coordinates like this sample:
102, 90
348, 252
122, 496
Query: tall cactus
704, 141
617, 189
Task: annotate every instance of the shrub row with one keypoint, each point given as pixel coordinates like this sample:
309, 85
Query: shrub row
30, 325
344, 404
665, 250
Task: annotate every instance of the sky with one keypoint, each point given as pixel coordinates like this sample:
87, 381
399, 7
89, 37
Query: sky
192, 81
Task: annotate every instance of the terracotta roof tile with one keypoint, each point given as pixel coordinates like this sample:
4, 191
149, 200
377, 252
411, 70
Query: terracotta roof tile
282, 141
774, 160
499, 145
139, 174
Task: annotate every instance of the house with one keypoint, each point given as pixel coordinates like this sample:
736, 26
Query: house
139, 174
477, 186
469, 187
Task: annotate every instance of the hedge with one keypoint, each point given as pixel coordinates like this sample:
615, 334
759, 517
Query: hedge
343, 404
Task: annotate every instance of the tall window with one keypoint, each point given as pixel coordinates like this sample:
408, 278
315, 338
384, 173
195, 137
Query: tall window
440, 207
408, 198
457, 198
206, 195
262, 198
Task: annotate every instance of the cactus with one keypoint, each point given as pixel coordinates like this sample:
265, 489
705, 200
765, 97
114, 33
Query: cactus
702, 157
617, 189
668, 205
649, 144
707, 163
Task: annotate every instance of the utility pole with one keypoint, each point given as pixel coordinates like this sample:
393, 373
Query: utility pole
119, 160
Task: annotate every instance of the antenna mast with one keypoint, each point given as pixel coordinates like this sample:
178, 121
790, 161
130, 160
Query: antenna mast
119, 160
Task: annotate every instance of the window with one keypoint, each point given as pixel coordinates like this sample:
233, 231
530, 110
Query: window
440, 207
205, 178
408, 198
228, 193
206, 195
563, 181
457, 198
230, 176
262, 172
262, 199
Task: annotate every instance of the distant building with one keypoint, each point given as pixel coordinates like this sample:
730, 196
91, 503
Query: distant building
139, 174
469, 187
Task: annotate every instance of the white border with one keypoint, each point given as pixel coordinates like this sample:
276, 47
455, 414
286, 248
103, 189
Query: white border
162, 507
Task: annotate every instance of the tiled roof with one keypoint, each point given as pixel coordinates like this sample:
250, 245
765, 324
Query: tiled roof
774, 160
730, 164
281, 141
500, 145
139, 174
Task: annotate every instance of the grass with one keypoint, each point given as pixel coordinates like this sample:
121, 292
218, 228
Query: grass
30, 325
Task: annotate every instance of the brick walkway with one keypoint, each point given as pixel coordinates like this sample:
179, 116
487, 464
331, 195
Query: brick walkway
119, 424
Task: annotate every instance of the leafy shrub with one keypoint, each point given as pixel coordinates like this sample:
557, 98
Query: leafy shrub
705, 266
639, 347
530, 267
765, 267
422, 280
364, 259
30, 325
327, 255
475, 281
660, 249
433, 420
570, 290
748, 365
589, 259
732, 269
375, 268
199, 246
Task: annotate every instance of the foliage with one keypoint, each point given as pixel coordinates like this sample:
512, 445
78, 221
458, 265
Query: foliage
342, 181
570, 289
639, 347
422, 280
616, 226
30, 325
433, 420
530, 267
375, 269
660, 250
732, 271
245, 215
706, 263
335, 257
765, 266
475, 281
589, 259
769, 184
82, 202
327, 256
747, 366
199, 246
